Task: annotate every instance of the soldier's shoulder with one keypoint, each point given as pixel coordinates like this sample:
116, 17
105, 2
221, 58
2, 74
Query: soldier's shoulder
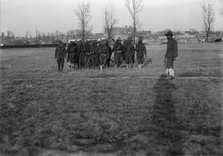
174, 40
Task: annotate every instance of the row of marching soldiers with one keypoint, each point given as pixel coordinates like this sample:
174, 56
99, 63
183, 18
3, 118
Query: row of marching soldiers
94, 54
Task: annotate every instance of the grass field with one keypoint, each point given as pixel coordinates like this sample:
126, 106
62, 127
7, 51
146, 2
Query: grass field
113, 112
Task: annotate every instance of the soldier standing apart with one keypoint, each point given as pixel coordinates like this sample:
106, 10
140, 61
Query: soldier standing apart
60, 54
129, 52
141, 52
171, 54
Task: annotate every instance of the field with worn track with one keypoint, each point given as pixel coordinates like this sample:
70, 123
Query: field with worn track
113, 112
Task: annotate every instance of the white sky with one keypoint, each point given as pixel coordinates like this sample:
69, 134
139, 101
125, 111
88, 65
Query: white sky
50, 15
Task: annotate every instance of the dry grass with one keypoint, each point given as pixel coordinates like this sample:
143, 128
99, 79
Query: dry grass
114, 112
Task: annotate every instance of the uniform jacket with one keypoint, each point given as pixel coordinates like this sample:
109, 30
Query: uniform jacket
104, 50
60, 52
172, 49
117, 47
129, 49
141, 49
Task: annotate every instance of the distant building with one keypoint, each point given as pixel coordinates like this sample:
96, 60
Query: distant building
143, 33
123, 32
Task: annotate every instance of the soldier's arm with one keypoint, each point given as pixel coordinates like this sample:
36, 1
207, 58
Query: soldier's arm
144, 49
175, 49
65, 53
133, 49
107, 51
55, 53
112, 38
137, 48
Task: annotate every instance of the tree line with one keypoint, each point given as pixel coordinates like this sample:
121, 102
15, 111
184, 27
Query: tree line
83, 13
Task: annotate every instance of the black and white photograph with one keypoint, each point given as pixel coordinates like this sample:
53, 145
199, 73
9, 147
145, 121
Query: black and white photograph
111, 78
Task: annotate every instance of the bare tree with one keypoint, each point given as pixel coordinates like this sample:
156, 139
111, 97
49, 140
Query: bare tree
84, 17
134, 7
109, 21
221, 8
208, 18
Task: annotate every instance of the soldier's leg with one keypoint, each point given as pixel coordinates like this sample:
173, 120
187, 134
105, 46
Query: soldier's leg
127, 61
58, 64
138, 61
121, 59
172, 69
62, 64
79, 61
116, 60
133, 59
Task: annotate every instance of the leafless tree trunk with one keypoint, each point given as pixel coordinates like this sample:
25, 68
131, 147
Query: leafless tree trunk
221, 8
208, 18
84, 17
134, 7
109, 22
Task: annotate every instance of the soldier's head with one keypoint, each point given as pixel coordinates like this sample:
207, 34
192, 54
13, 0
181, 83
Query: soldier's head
60, 43
129, 39
140, 39
118, 40
169, 35
104, 41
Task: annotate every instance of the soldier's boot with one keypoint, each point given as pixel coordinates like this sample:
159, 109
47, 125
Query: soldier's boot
101, 67
167, 72
61, 67
171, 70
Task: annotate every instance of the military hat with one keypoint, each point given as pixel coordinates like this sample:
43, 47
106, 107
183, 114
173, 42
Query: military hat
129, 38
119, 39
169, 33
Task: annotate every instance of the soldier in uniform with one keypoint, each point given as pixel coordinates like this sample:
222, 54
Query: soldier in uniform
141, 52
93, 59
171, 54
81, 52
129, 51
117, 49
60, 55
104, 54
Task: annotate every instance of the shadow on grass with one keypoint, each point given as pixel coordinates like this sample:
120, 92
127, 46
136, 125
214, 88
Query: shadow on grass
164, 121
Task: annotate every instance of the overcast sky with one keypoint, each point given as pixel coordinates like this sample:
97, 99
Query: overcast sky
50, 15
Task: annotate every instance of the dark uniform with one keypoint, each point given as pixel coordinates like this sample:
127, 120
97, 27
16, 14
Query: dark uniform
110, 53
81, 52
129, 52
141, 52
60, 54
104, 54
93, 60
117, 49
171, 54
71, 53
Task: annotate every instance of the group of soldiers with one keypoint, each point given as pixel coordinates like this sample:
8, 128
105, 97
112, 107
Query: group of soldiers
94, 54
97, 54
